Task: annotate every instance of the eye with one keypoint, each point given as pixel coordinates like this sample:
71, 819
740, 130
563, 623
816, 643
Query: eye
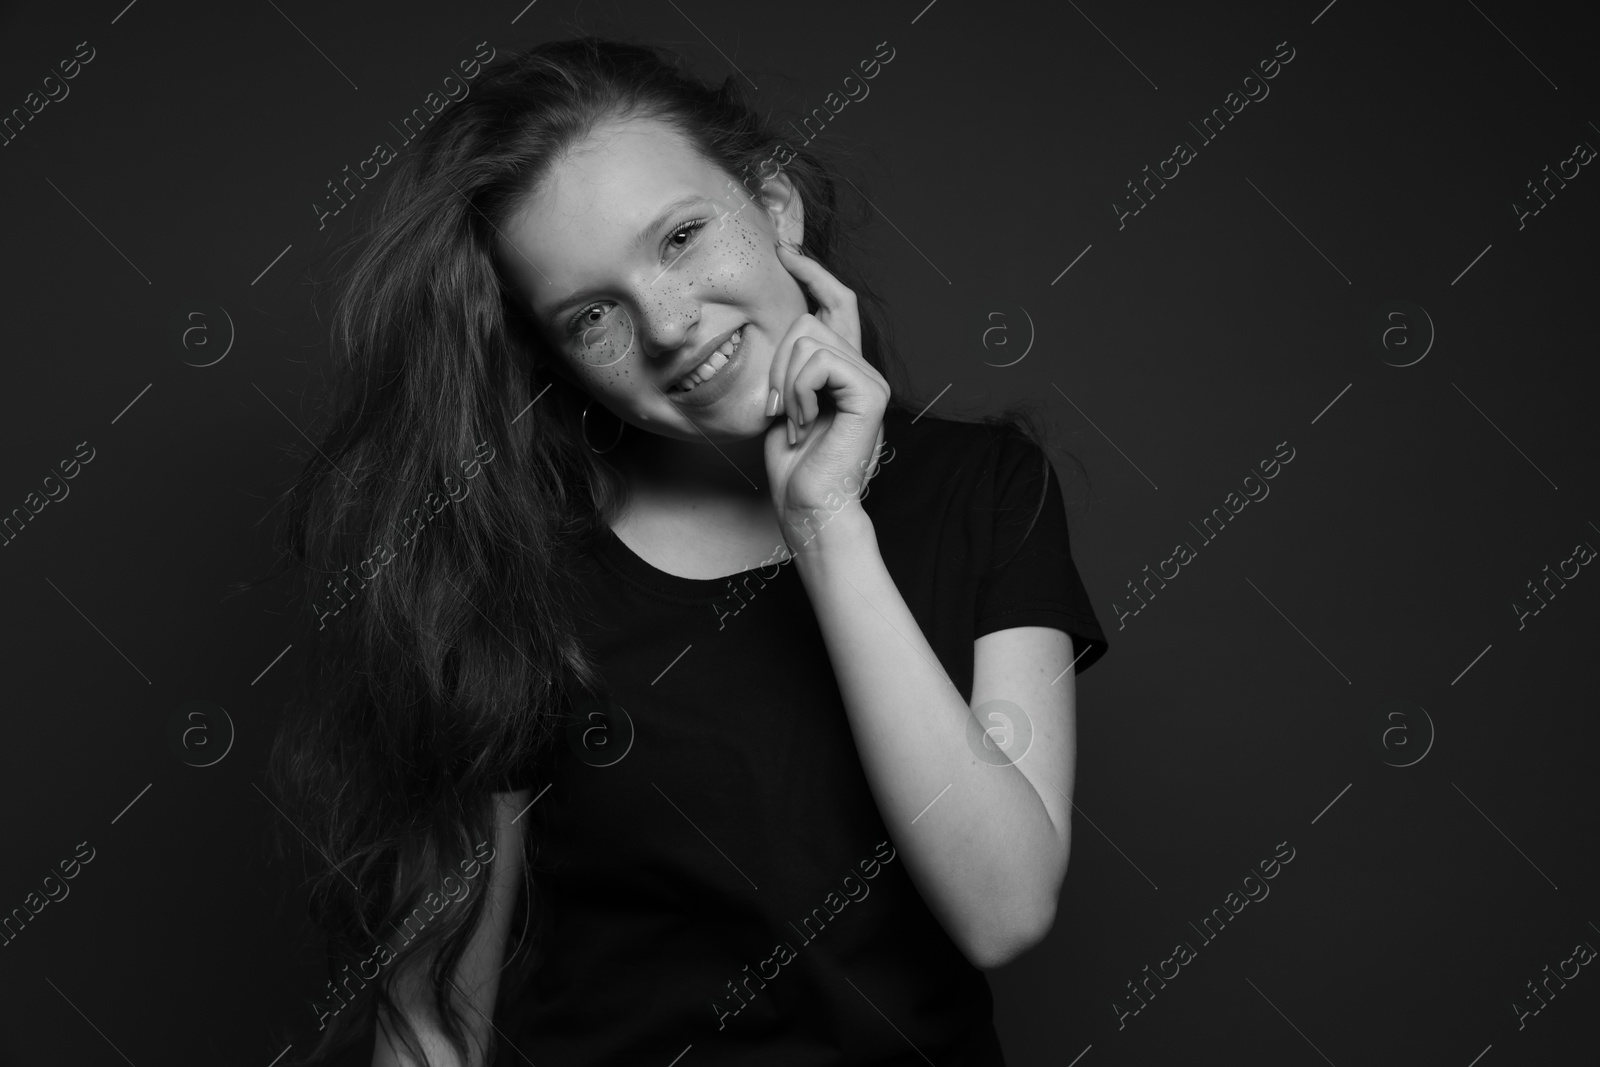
680, 238
587, 318
686, 231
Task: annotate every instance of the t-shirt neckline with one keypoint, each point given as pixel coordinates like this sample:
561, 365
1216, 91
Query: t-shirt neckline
616, 552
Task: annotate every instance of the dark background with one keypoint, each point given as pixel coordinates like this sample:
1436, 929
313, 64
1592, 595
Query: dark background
1245, 706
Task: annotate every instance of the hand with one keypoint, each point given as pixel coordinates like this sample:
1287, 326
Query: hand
821, 472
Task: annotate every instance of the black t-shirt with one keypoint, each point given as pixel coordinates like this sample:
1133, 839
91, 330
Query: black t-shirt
712, 871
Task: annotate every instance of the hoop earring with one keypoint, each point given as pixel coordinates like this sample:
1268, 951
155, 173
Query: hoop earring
583, 430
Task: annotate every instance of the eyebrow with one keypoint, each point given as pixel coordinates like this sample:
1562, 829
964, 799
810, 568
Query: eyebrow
639, 240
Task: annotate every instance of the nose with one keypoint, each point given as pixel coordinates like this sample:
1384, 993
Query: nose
666, 319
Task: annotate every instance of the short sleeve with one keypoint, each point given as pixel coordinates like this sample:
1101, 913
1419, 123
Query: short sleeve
1031, 578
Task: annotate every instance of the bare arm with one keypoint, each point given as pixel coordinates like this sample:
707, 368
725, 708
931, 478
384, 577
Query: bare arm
990, 857
478, 975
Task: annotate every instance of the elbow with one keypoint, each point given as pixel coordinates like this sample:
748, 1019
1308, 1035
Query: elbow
1008, 933
1004, 942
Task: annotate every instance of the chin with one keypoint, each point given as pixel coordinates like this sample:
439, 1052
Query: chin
730, 423
731, 428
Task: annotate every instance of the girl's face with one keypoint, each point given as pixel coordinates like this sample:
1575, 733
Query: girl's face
640, 260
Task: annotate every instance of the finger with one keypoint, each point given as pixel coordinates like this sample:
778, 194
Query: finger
835, 340
782, 355
812, 331
805, 347
858, 405
816, 367
837, 300
797, 402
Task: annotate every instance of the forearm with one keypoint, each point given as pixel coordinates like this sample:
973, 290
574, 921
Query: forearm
977, 838
476, 984
389, 1050
439, 1052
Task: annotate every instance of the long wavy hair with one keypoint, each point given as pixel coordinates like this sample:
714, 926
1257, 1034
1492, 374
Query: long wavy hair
429, 525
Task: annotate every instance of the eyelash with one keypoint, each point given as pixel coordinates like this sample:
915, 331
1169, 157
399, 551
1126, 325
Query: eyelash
693, 226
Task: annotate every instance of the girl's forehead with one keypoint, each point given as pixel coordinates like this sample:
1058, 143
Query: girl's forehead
622, 164
610, 187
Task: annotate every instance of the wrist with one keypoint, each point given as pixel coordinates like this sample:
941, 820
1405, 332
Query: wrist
823, 534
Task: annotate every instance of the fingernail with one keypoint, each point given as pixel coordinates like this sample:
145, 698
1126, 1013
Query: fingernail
774, 402
791, 433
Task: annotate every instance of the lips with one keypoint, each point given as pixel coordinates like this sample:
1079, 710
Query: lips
707, 368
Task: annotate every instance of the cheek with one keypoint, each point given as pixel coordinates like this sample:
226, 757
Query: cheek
739, 261
598, 355
737, 242
613, 380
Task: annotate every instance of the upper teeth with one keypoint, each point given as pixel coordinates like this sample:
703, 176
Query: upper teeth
712, 365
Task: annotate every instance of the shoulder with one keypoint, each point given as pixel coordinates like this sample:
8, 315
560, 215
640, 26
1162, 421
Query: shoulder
943, 473
927, 437
967, 451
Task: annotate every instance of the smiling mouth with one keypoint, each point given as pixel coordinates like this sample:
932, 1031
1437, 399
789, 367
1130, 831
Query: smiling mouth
710, 367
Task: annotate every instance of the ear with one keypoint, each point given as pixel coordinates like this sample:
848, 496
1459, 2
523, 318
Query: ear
784, 209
